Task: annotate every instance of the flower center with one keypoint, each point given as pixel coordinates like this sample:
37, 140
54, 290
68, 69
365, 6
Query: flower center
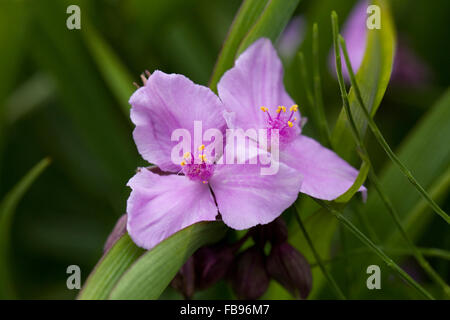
202, 171
283, 123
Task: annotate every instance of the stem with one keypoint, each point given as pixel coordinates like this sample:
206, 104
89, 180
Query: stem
304, 74
374, 179
366, 224
325, 272
431, 252
382, 141
322, 120
390, 263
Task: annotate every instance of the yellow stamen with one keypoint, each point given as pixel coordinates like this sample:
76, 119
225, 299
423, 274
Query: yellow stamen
202, 157
187, 155
264, 109
290, 124
205, 181
294, 108
281, 108
295, 119
183, 163
202, 147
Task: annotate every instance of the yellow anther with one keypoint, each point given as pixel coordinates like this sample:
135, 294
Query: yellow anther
294, 108
202, 147
290, 124
295, 119
281, 108
183, 163
264, 109
205, 181
187, 155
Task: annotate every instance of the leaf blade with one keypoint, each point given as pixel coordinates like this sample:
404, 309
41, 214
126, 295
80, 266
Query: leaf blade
150, 275
7, 209
247, 15
271, 22
109, 269
374, 73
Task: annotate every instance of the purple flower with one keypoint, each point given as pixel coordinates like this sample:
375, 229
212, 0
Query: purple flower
254, 96
408, 68
291, 37
193, 190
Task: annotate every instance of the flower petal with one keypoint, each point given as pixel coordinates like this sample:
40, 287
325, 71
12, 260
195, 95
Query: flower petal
160, 205
168, 102
325, 175
246, 198
256, 80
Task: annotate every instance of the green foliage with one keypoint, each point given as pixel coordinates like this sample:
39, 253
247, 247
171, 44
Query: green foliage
246, 17
109, 269
64, 94
151, 274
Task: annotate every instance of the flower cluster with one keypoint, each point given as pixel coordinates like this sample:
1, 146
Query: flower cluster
251, 95
173, 195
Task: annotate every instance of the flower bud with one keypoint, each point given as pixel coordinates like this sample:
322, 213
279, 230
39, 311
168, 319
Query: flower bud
184, 280
289, 267
212, 264
249, 277
275, 232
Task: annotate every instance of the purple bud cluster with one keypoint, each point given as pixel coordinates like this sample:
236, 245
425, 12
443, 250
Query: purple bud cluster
249, 270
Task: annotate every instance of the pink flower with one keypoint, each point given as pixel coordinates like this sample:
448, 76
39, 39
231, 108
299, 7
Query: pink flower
254, 96
165, 201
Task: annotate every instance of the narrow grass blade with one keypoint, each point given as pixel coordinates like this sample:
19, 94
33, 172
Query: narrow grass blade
320, 110
374, 179
366, 241
7, 209
382, 141
325, 272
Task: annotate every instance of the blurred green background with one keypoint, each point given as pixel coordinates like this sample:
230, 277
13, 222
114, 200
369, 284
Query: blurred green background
58, 99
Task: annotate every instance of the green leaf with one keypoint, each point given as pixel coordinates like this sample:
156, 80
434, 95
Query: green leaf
362, 175
271, 23
7, 208
372, 77
109, 269
246, 17
112, 69
417, 218
150, 275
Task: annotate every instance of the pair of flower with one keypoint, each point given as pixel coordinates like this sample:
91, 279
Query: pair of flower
251, 96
